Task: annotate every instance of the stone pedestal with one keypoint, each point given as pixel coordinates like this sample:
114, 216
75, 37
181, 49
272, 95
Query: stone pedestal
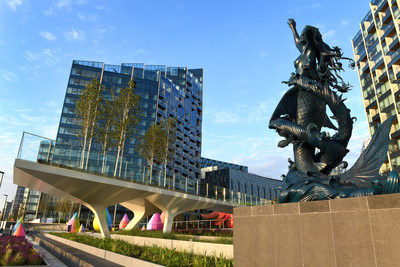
363, 231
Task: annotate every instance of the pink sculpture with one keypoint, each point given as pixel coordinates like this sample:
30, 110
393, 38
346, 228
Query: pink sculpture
124, 222
155, 222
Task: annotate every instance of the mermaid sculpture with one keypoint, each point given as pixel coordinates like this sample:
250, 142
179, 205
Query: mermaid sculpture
301, 114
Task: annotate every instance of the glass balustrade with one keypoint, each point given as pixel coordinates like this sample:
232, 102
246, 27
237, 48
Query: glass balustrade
46, 151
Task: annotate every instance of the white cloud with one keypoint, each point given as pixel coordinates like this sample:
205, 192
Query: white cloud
73, 35
48, 35
63, 3
13, 4
241, 114
86, 17
225, 116
344, 22
7, 75
329, 34
39, 59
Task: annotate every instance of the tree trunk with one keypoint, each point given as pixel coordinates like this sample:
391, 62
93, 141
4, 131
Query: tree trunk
122, 158
91, 134
151, 170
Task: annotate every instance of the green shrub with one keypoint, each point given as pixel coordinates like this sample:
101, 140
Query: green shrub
154, 254
225, 237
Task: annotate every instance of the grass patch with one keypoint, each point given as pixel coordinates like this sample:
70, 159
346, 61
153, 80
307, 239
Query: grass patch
179, 235
154, 254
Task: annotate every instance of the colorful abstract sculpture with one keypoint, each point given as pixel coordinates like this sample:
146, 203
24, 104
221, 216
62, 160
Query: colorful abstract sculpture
220, 218
73, 224
155, 222
19, 222
143, 228
124, 222
81, 229
19, 231
96, 223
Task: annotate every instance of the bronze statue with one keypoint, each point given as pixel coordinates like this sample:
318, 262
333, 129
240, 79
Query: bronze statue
301, 114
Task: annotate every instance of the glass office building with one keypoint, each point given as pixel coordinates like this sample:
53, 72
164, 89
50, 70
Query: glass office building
219, 176
165, 92
377, 54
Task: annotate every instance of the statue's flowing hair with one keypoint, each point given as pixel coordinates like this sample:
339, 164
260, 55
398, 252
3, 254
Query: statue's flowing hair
329, 64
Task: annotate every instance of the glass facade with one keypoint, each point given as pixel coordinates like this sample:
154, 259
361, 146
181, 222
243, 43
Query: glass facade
205, 162
164, 92
377, 54
233, 182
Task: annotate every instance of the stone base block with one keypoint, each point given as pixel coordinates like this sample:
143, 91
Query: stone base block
363, 231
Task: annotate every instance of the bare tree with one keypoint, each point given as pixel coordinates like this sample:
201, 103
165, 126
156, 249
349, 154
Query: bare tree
105, 133
168, 141
127, 117
63, 207
87, 111
150, 146
45, 204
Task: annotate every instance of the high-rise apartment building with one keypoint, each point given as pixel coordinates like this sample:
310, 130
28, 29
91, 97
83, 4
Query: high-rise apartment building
377, 55
165, 92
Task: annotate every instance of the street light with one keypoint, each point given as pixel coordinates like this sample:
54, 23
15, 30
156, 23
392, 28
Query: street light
2, 174
4, 208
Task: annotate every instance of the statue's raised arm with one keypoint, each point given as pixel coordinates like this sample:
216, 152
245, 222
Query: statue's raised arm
292, 25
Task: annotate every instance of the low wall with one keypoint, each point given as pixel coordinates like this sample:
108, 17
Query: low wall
363, 231
104, 254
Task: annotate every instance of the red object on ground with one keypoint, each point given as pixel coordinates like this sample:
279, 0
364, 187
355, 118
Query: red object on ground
20, 231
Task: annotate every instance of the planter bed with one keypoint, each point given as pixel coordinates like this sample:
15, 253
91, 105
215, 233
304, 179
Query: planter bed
160, 255
15, 250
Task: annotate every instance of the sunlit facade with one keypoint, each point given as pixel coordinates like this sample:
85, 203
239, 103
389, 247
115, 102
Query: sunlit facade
377, 55
233, 182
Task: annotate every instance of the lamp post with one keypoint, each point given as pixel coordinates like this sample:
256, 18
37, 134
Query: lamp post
1, 180
4, 209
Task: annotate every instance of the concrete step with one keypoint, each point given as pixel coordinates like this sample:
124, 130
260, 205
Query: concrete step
71, 256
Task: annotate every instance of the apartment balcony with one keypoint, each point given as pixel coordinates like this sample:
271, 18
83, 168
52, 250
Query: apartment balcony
383, 77
376, 117
387, 29
394, 44
371, 29
372, 105
378, 63
394, 154
362, 55
365, 68
387, 109
394, 59
395, 135
383, 96
380, 5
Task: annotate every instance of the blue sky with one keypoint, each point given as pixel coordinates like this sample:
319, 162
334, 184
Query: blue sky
245, 48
